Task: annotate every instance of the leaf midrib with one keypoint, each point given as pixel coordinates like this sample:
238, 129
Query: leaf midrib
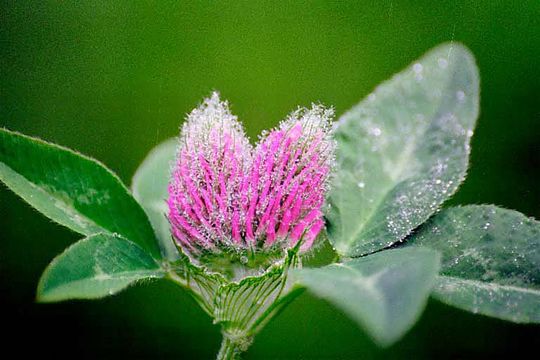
367, 281
490, 285
43, 192
134, 275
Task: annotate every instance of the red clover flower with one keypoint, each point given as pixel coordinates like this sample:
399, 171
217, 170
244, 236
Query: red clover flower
228, 196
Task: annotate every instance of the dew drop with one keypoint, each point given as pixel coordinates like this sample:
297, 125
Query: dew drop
243, 259
460, 95
361, 185
417, 68
443, 63
375, 131
438, 181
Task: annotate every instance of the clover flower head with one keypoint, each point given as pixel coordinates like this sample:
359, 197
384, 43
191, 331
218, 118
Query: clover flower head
226, 195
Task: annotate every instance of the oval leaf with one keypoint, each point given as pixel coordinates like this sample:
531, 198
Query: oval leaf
403, 151
97, 266
491, 261
71, 189
149, 187
384, 292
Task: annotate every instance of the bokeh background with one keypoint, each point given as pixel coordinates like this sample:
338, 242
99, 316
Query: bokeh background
114, 78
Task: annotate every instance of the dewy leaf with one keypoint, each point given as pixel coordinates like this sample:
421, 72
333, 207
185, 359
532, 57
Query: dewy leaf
97, 266
491, 261
71, 189
403, 151
384, 292
149, 187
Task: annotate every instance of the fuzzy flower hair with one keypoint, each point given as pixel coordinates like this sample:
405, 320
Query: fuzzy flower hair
225, 194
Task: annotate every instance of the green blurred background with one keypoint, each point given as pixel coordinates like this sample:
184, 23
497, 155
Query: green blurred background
113, 79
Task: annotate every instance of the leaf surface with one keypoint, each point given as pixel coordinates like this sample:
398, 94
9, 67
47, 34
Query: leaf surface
384, 292
491, 261
71, 189
149, 187
403, 151
97, 266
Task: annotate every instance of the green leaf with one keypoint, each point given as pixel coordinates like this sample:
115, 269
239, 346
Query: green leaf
149, 187
72, 189
384, 292
491, 261
403, 151
97, 266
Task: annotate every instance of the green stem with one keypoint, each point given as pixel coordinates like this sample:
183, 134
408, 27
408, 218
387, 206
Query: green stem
230, 349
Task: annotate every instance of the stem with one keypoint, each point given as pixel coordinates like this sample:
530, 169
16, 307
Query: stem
231, 348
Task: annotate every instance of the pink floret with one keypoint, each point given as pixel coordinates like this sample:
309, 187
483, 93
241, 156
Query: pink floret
224, 193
